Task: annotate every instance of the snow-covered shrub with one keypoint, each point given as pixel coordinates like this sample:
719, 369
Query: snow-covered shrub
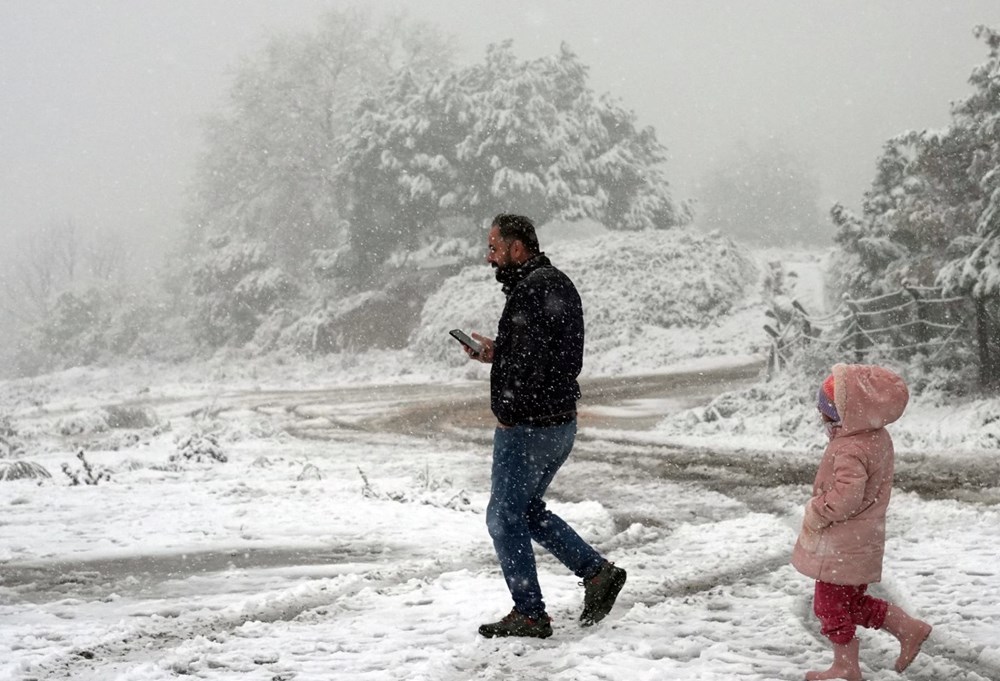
431, 492
122, 416
96, 324
95, 421
781, 412
117, 441
309, 472
940, 379
22, 470
73, 328
199, 447
129, 465
88, 474
380, 318
661, 279
321, 331
11, 445
987, 435
634, 286
237, 285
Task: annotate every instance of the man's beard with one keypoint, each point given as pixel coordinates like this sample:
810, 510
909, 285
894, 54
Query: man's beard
504, 272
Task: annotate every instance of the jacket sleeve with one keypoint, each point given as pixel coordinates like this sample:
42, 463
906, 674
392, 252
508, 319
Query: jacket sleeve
846, 497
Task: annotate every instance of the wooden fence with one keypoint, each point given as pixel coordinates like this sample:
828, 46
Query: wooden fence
902, 323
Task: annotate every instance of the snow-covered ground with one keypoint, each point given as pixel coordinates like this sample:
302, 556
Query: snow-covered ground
344, 535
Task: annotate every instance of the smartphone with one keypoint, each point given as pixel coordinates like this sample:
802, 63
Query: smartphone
467, 341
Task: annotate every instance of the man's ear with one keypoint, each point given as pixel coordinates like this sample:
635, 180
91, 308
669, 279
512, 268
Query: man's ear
518, 251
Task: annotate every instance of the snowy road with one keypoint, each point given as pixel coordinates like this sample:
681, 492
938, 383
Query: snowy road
345, 539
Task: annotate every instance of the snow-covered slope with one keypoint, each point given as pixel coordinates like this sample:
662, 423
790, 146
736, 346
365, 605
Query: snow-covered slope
651, 299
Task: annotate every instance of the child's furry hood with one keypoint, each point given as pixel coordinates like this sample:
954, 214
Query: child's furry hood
867, 397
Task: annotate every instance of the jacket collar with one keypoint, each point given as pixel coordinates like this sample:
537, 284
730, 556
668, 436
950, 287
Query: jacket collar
510, 277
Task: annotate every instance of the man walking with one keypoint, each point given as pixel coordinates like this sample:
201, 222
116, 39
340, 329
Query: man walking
536, 358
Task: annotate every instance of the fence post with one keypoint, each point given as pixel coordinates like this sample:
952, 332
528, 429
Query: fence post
807, 329
774, 357
855, 327
989, 358
922, 336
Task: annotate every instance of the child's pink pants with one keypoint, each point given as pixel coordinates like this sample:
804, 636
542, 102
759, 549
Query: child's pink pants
840, 608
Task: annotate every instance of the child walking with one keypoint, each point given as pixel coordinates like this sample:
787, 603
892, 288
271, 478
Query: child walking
843, 532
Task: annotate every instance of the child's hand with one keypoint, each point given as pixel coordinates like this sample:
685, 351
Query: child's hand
812, 520
812, 528
809, 539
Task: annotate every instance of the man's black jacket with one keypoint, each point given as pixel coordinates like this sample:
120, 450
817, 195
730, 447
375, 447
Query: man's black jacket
538, 351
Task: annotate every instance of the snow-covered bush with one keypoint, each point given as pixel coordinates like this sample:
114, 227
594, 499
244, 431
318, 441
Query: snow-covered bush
100, 420
322, 330
88, 474
11, 445
199, 447
22, 470
93, 325
123, 416
309, 472
237, 285
780, 413
988, 433
84, 423
378, 318
431, 491
633, 285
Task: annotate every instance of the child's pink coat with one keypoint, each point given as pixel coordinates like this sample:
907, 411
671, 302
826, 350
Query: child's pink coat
843, 532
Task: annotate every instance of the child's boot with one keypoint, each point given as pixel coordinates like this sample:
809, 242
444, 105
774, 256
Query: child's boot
910, 631
845, 663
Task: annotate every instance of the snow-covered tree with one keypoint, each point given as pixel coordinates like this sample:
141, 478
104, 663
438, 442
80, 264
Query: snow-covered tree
64, 289
238, 285
267, 198
932, 215
524, 136
267, 170
920, 208
763, 193
927, 217
978, 272
57, 257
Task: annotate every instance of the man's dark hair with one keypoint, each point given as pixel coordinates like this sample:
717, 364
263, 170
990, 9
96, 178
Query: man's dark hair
517, 228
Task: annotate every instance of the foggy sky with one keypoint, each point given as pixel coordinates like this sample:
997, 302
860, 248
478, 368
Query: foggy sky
100, 102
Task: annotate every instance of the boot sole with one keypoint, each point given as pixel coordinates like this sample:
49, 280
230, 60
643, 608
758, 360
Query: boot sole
492, 634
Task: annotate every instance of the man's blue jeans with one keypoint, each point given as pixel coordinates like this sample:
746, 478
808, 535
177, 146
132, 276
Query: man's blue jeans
525, 460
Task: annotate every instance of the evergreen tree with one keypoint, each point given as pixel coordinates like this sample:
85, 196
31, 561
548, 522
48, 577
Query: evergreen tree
920, 207
931, 213
525, 136
238, 286
267, 198
978, 270
268, 167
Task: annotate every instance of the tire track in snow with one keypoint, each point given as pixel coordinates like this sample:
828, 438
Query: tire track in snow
148, 639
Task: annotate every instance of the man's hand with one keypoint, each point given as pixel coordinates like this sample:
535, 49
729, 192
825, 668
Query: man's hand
486, 354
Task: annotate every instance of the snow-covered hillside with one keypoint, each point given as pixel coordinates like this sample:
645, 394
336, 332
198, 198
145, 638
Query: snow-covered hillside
655, 302
651, 299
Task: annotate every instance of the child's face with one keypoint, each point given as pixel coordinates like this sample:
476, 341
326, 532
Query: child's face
828, 423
